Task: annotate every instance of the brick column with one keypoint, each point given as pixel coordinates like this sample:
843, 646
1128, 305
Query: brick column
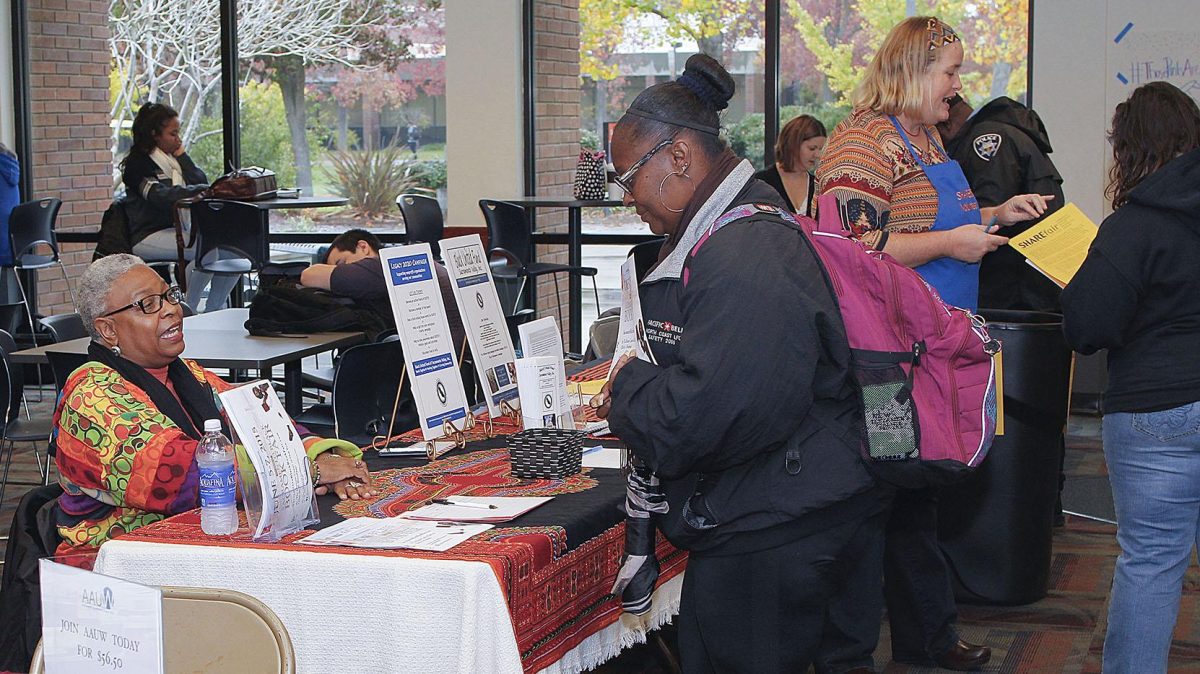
70, 109
556, 52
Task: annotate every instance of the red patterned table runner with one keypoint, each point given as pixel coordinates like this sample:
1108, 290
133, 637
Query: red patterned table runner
556, 596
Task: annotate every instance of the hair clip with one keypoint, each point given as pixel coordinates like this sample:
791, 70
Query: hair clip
940, 34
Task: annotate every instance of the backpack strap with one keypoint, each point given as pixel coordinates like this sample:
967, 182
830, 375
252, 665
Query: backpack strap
743, 212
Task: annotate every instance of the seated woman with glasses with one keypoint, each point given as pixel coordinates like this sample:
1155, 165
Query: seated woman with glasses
128, 421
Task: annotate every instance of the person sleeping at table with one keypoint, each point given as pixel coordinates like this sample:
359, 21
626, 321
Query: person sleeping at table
128, 422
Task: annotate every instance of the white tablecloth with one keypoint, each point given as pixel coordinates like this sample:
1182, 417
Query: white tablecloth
363, 613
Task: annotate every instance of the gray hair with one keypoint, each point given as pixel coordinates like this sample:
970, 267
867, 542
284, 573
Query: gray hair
97, 282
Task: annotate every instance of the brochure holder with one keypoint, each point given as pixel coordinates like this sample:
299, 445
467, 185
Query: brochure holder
435, 448
252, 500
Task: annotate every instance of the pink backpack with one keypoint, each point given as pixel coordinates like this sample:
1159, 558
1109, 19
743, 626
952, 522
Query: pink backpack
925, 369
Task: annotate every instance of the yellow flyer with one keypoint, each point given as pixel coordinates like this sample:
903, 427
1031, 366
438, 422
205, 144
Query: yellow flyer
1058, 245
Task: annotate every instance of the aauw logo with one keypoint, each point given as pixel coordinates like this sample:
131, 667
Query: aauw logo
102, 600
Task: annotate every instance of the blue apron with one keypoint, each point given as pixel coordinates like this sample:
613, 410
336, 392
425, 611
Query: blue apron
956, 281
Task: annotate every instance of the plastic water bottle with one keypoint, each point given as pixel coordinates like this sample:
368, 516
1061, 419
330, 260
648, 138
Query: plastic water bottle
218, 481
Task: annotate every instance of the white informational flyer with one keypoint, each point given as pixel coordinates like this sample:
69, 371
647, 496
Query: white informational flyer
487, 331
541, 339
542, 398
430, 355
631, 336
395, 532
274, 446
93, 623
476, 508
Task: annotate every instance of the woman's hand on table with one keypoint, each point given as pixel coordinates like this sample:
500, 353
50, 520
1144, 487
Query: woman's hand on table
1019, 209
347, 477
352, 488
602, 401
969, 243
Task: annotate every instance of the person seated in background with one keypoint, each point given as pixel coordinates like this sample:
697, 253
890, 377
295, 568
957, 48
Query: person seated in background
1004, 151
352, 269
157, 172
128, 421
797, 151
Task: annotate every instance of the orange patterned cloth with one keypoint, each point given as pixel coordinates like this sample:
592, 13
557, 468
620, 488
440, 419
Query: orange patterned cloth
123, 463
878, 185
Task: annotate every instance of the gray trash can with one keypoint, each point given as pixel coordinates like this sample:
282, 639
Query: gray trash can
995, 527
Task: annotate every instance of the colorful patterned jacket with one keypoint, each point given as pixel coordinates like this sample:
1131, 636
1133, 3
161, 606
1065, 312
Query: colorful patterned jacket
123, 463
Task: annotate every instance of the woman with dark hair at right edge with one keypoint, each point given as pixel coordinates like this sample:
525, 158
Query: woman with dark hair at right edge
1136, 295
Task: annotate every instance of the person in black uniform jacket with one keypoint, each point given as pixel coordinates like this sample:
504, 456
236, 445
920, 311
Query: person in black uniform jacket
749, 417
157, 172
1004, 151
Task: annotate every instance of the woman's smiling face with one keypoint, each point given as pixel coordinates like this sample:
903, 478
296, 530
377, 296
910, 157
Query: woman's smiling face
942, 83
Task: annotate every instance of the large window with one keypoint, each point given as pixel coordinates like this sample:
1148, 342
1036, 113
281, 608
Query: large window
345, 98
625, 48
167, 53
825, 45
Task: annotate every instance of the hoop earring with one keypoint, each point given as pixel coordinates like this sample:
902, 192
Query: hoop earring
116, 351
682, 174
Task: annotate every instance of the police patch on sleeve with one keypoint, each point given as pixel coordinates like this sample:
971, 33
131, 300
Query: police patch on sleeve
986, 145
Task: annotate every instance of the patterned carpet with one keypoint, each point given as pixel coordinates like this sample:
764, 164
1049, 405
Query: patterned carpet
1062, 633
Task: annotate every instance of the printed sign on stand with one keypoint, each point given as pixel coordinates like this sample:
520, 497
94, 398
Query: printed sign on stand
430, 355
92, 623
487, 330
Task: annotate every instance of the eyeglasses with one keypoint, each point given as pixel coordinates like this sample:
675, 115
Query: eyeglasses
625, 180
152, 304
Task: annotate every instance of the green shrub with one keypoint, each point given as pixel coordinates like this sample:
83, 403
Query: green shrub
371, 179
589, 140
746, 135
429, 174
266, 140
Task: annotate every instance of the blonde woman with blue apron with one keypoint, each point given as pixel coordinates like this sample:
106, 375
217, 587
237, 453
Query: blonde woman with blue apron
898, 191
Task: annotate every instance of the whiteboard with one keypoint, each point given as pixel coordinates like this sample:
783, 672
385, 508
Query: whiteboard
1149, 42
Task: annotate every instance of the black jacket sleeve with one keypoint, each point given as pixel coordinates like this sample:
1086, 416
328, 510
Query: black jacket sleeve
1101, 300
192, 174
752, 338
142, 178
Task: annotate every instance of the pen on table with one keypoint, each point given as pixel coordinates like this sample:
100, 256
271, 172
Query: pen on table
481, 506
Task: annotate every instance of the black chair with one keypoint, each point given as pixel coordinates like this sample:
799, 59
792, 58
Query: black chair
15, 429
515, 321
231, 227
509, 238
64, 327
422, 221
62, 365
644, 255
30, 229
32, 537
364, 392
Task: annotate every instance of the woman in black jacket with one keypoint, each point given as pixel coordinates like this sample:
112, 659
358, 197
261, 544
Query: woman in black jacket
748, 419
1136, 295
797, 151
157, 172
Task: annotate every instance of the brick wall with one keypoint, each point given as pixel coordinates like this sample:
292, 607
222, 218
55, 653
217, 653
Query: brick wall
556, 53
70, 113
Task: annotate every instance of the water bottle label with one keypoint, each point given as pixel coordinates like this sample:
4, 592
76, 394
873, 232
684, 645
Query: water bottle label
218, 486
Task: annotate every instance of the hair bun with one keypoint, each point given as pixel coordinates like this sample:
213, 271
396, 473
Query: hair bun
708, 79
